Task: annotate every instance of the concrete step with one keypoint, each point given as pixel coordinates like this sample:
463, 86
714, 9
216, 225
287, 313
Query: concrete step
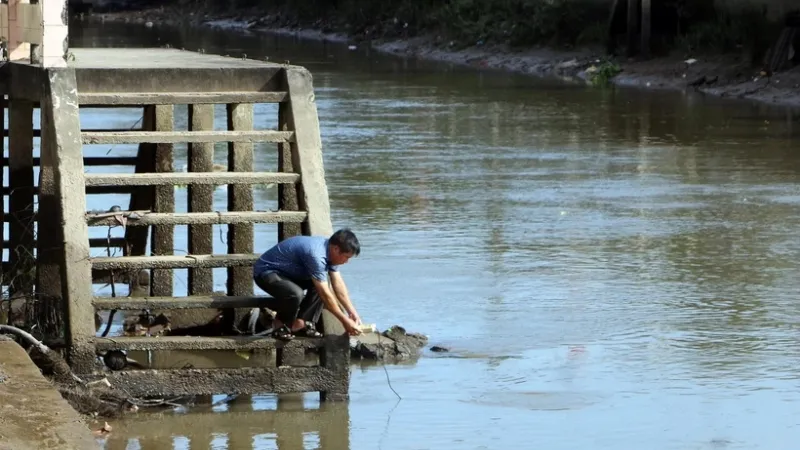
178, 98
189, 302
185, 178
177, 137
144, 218
166, 343
172, 261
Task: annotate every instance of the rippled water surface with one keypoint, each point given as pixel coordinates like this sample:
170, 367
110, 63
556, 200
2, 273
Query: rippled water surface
612, 269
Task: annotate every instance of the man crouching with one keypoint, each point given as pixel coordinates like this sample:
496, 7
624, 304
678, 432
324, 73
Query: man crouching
304, 263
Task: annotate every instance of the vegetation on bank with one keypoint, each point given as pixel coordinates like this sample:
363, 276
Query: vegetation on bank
689, 26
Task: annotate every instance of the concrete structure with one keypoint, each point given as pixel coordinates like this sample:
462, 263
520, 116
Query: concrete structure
60, 277
33, 415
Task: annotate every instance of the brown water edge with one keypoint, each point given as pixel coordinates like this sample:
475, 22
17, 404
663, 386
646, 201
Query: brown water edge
729, 75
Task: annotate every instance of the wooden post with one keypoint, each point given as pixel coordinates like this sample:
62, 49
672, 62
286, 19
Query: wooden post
646, 24
301, 117
21, 204
62, 166
633, 25
240, 198
163, 236
287, 193
201, 198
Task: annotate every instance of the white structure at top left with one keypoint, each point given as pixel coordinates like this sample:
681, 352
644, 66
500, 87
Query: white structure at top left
43, 24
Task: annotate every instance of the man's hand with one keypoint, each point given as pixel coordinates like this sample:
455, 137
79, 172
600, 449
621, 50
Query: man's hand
355, 318
351, 327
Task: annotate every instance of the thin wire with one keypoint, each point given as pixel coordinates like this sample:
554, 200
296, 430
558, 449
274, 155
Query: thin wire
386, 371
399, 398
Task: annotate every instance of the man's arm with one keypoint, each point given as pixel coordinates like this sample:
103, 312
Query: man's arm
340, 289
332, 305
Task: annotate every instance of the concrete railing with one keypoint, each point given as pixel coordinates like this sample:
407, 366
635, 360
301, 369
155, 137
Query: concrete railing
35, 31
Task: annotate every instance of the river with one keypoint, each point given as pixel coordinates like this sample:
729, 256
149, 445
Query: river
611, 268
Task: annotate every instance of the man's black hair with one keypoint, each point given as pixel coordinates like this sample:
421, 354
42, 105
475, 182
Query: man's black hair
347, 241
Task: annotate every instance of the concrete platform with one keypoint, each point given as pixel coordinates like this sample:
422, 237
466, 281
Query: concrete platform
150, 70
157, 58
33, 415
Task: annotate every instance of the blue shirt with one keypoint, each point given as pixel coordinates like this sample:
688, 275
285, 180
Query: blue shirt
297, 258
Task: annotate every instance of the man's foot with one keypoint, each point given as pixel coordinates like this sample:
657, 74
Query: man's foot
283, 333
307, 330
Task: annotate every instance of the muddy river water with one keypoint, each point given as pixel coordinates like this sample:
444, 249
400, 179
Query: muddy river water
612, 269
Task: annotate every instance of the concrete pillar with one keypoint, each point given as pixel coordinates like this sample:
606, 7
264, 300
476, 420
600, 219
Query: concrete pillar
163, 236
201, 198
240, 198
335, 356
63, 184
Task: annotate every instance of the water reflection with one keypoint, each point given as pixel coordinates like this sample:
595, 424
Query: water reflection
245, 422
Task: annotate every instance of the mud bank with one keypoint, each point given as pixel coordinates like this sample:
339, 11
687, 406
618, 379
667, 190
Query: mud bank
723, 76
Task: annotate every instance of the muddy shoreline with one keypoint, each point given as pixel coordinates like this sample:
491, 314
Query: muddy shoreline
722, 76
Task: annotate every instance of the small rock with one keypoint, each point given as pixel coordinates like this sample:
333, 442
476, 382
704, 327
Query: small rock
439, 349
568, 64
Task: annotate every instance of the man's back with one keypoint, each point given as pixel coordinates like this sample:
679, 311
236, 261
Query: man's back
298, 258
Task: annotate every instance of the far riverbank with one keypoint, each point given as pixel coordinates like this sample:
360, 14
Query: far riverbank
723, 76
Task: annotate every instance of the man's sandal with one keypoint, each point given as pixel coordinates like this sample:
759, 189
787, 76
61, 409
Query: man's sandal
308, 331
283, 333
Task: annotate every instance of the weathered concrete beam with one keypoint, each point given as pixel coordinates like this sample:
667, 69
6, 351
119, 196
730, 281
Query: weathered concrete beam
212, 218
196, 343
179, 98
184, 178
173, 80
172, 303
179, 382
87, 160
177, 137
93, 242
172, 261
